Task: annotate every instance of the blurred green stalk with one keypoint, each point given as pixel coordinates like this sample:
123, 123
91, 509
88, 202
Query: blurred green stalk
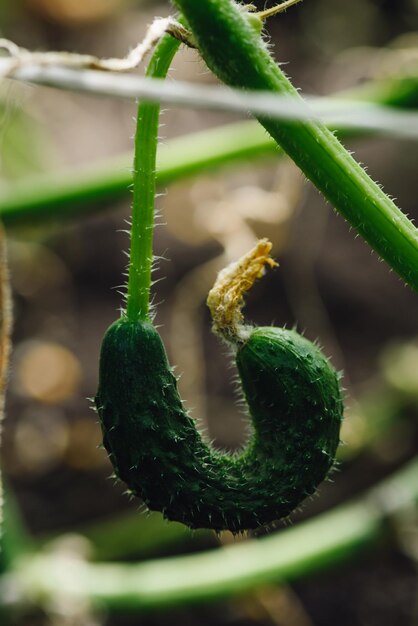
74, 193
133, 534
288, 555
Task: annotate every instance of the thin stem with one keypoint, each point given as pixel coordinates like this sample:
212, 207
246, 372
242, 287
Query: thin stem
294, 553
245, 62
144, 186
15, 541
279, 8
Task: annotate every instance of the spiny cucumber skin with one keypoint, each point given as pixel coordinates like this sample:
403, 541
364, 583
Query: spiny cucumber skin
294, 399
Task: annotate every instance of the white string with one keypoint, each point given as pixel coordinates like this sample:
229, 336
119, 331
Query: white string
334, 112
76, 72
20, 57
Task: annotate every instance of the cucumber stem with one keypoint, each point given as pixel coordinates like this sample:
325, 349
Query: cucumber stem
144, 187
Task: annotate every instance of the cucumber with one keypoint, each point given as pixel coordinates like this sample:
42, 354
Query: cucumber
294, 400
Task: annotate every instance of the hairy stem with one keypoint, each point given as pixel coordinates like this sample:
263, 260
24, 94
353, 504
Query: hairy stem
144, 186
238, 56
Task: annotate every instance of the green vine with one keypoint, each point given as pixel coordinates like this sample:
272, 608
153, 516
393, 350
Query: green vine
142, 228
293, 554
239, 57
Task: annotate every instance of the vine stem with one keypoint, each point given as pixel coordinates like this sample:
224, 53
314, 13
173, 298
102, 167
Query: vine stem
294, 553
233, 50
144, 187
279, 8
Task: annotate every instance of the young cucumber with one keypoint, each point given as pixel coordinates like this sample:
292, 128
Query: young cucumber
294, 401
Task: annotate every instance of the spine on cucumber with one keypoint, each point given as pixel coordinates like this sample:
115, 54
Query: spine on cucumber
294, 400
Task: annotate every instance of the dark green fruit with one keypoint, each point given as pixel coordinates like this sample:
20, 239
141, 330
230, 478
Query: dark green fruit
294, 400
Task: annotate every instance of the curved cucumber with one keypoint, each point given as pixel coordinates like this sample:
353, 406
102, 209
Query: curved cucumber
294, 400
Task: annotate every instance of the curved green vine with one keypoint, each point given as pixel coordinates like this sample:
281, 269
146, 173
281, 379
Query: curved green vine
235, 52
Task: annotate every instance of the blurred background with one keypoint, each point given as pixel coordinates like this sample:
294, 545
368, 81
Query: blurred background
65, 274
